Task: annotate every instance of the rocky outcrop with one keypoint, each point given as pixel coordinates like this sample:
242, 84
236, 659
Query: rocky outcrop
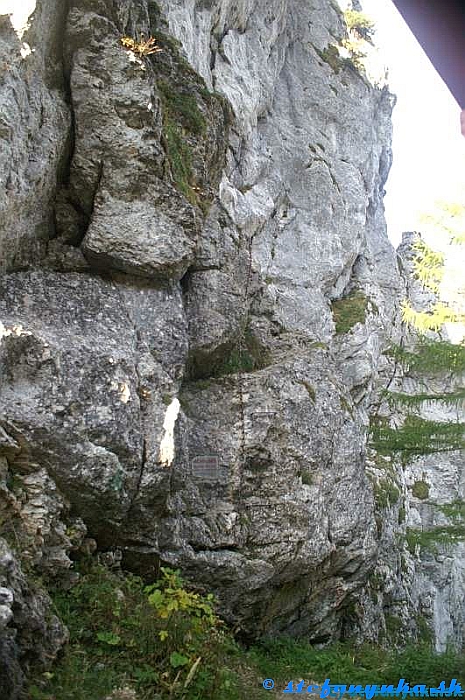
192, 345
34, 130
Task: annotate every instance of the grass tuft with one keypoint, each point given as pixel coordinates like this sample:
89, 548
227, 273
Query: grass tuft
349, 311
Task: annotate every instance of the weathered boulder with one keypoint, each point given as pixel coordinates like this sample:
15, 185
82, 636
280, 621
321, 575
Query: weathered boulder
87, 366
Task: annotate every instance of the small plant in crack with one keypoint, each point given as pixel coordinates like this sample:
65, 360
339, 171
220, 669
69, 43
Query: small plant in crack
141, 48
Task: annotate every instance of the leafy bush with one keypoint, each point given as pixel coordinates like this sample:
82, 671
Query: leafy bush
330, 55
432, 320
166, 643
454, 510
414, 401
162, 640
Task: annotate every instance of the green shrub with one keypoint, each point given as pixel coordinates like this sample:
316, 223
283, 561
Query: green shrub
331, 56
428, 265
414, 401
180, 157
244, 354
394, 627
428, 540
162, 640
431, 357
420, 489
416, 437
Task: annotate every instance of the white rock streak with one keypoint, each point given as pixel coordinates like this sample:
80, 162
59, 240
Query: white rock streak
167, 444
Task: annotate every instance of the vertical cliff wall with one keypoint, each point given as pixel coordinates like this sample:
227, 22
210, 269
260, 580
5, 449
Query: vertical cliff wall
418, 474
193, 343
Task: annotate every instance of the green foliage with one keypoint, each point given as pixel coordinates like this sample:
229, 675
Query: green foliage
357, 55
183, 108
180, 157
416, 437
447, 219
431, 357
184, 124
330, 55
306, 478
429, 540
316, 345
420, 489
167, 399
416, 400
349, 311
394, 627
386, 494
425, 633
162, 640
360, 23
454, 510
234, 361
285, 658
429, 269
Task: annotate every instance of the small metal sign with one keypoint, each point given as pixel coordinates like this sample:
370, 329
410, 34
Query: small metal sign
205, 468
264, 414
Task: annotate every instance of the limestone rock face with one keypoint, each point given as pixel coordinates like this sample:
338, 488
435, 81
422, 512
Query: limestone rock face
235, 179
192, 346
34, 129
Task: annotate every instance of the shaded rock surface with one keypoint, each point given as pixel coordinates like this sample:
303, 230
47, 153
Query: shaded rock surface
34, 132
29, 632
178, 380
